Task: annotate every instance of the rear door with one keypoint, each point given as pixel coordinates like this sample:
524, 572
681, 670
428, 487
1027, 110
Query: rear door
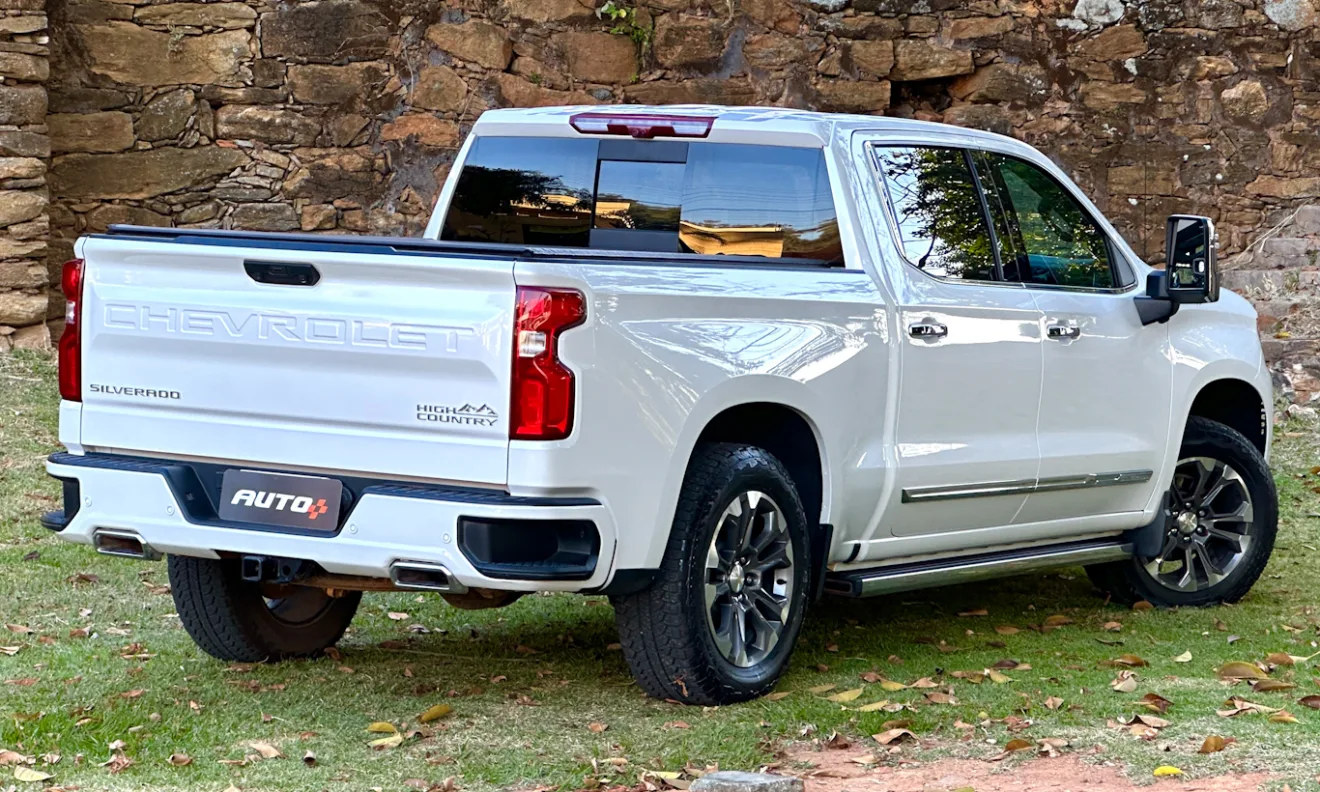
1104, 416
970, 382
382, 362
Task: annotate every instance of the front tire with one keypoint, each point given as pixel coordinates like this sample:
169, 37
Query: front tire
1216, 544
239, 621
724, 613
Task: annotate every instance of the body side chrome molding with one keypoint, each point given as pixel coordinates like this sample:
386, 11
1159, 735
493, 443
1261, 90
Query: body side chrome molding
1024, 486
969, 569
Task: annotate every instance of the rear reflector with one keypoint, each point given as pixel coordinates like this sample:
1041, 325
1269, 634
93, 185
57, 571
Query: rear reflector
542, 398
643, 126
70, 346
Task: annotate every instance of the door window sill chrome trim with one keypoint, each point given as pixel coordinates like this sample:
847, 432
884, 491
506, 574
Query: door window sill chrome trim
1024, 486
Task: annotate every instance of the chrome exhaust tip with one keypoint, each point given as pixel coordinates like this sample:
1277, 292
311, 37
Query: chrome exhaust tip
124, 544
424, 577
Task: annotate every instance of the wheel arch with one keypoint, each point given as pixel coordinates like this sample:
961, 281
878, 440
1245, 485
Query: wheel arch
1237, 404
786, 433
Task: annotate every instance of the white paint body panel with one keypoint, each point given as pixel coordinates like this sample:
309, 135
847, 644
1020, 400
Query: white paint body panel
664, 350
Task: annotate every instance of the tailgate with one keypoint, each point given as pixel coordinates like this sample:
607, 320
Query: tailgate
390, 364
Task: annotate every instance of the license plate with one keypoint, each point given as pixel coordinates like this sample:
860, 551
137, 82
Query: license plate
280, 499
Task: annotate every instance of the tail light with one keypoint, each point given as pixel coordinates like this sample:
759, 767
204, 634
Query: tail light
70, 348
542, 404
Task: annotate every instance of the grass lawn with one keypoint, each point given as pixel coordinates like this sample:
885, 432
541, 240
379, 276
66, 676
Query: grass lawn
540, 696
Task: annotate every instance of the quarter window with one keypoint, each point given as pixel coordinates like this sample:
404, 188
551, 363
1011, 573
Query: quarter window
941, 223
1047, 238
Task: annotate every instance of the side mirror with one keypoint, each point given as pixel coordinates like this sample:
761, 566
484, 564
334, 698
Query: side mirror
1190, 247
1191, 273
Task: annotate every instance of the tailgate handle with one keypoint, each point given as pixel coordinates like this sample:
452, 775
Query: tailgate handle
279, 273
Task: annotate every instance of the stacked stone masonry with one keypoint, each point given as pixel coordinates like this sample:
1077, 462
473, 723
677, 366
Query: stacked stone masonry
343, 116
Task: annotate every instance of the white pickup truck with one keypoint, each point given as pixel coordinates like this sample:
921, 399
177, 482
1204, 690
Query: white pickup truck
711, 362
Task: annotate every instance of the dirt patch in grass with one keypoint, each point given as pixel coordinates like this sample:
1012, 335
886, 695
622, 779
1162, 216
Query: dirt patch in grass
836, 771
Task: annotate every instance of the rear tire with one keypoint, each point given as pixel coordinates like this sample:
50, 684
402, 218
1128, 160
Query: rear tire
231, 619
1225, 554
719, 623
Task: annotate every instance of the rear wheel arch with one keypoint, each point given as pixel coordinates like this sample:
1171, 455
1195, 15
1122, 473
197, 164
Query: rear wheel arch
788, 435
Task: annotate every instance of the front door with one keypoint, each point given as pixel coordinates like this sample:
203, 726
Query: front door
1104, 416
970, 362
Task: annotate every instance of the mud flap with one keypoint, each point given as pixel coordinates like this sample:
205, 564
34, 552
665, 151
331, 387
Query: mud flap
1148, 540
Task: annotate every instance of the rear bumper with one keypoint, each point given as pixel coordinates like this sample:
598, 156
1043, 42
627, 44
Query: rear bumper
166, 505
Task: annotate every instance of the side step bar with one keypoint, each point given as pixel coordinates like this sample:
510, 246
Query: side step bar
971, 568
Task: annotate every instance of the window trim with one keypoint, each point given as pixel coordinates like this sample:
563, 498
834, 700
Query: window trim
891, 218
891, 215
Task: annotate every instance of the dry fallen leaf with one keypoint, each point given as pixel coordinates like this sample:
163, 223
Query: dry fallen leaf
1282, 716
1213, 744
892, 686
27, 774
1142, 605
1240, 670
819, 689
874, 706
8, 757
1126, 682
1058, 620
1155, 703
1113, 626
935, 697
998, 677
1279, 658
382, 727
266, 750
924, 683
1005, 629
180, 760
1238, 706
975, 612
893, 735
1310, 701
1165, 771
387, 742
435, 713
396, 616
1185, 657
1270, 685
1018, 744
596, 727
777, 696
1053, 702
845, 696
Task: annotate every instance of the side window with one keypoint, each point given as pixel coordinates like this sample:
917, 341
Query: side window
1047, 237
941, 225
513, 192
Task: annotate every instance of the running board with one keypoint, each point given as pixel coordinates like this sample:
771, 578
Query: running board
971, 568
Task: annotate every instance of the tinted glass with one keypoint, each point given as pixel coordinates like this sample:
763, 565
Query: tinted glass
524, 191
1053, 240
703, 198
941, 224
759, 201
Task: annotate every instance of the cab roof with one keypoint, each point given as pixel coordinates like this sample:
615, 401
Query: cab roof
766, 125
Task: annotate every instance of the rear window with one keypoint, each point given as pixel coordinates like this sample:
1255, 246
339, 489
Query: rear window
657, 196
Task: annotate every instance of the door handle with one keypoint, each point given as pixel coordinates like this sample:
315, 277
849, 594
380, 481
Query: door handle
1063, 332
927, 330
278, 273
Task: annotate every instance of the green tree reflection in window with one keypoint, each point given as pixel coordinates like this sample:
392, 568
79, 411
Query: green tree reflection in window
940, 222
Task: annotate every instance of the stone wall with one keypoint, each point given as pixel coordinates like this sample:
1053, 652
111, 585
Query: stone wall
344, 115
24, 151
